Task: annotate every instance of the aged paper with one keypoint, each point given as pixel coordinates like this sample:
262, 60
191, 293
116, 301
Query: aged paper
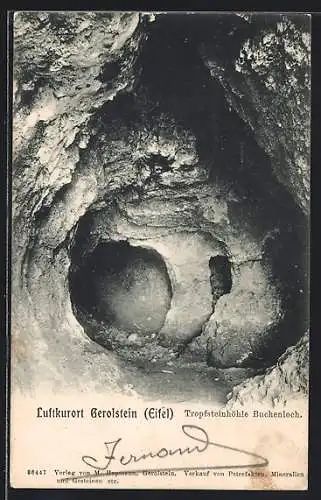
159, 278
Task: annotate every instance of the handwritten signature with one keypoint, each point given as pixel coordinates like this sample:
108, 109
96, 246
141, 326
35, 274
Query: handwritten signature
194, 433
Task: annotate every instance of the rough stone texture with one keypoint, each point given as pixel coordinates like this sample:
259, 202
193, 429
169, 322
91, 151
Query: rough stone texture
95, 158
287, 380
186, 229
268, 84
51, 127
59, 85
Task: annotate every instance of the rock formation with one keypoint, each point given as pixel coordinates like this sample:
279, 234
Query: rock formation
287, 380
186, 177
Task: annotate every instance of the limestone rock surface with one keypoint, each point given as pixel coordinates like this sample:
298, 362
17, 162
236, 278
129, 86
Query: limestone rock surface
107, 150
287, 380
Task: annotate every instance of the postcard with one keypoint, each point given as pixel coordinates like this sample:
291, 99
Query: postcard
160, 181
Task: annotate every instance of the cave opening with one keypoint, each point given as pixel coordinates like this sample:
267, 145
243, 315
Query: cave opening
175, 83
175, 79
157, 143
122, 286
221, 277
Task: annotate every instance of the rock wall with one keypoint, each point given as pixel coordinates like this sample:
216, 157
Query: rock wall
59, 66
267, 82
287, 380
106, 150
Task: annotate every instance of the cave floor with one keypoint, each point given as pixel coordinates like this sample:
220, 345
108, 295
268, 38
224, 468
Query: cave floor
182, 381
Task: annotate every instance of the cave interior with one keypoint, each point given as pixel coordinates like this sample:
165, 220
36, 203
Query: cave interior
151, 282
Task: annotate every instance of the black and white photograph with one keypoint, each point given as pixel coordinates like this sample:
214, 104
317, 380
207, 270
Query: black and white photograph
160, 249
